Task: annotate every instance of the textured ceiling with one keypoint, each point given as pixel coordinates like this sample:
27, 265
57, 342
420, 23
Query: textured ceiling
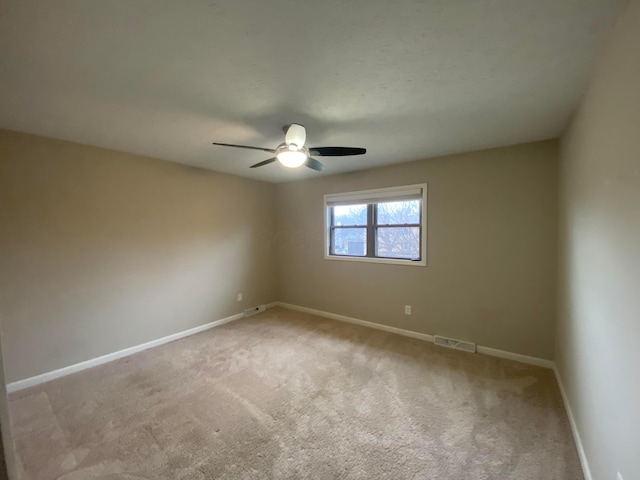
405, 79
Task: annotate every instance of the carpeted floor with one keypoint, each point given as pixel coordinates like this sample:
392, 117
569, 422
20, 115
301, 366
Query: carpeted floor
285, 395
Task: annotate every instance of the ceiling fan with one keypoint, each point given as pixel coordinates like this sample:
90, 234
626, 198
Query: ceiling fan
292, 153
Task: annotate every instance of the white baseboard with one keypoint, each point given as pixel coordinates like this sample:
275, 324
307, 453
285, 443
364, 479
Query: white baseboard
357, 321
540, 362
574, 427
518, 357
94, 362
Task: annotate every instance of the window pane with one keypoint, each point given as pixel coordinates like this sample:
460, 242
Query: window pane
350, 215
407, 211
349, 241
398, 242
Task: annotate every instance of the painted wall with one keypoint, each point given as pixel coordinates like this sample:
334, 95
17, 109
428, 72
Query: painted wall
597, 352
492, 250
101, 250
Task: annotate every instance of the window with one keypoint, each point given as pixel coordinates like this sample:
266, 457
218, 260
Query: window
386, 225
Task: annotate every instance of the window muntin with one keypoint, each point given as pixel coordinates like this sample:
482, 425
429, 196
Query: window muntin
386, 225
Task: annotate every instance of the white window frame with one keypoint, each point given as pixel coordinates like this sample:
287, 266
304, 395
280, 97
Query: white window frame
376, 196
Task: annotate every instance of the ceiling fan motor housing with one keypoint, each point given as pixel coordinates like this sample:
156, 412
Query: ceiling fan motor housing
295, 134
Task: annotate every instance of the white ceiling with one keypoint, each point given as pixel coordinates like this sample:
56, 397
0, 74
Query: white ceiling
406, 79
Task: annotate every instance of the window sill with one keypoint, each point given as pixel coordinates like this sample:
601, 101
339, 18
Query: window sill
388, 261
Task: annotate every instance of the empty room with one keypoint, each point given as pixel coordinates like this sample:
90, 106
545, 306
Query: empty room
343, 240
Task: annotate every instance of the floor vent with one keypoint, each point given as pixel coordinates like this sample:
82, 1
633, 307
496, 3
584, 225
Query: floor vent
453, 343
254, 310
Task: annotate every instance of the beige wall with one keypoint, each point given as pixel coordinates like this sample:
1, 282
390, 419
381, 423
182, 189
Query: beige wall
492, 245
598, 347
100, 251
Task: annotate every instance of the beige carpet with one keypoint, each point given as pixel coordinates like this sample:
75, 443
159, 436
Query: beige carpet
291, 396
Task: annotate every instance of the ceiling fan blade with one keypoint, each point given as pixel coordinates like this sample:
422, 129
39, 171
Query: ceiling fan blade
295, 134
270, 150
336, 151
265, 162
314, 164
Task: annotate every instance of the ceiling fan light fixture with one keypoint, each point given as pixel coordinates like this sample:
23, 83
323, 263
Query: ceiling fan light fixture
291, 158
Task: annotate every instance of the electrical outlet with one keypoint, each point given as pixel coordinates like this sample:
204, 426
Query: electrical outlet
619, 476
407, 309
239, 297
